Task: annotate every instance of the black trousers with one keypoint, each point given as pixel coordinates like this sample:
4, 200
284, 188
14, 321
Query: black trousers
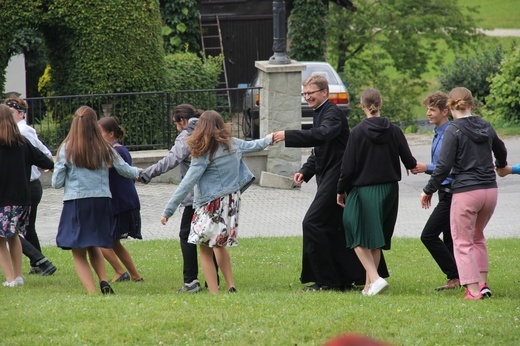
190, 269
31, 236
30, 242
31, 252
437, 224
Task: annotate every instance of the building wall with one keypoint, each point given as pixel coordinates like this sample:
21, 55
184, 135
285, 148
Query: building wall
15, 76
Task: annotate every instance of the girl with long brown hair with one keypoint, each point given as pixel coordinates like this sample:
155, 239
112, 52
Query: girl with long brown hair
219, 176
86, 222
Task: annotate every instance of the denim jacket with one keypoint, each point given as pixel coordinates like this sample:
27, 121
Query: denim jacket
87, 183
224, 174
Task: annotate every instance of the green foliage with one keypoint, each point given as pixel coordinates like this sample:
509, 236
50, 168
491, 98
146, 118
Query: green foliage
495, 14
389, 45
472, 72
15, 17
398, 95
50, 131
308, 30
30, 42
93, 51
180, 25
186, 71
403, 34
503, 100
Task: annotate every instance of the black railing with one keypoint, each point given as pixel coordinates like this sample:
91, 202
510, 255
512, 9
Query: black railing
145, 116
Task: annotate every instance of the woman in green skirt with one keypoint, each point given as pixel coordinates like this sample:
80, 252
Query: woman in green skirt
368, 186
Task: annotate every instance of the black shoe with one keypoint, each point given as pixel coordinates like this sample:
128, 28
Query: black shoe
124, 277
232, 290
105, 288
314, 287
47, 268
34, 270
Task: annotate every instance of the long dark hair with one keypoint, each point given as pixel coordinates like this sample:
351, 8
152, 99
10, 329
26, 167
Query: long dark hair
86, 147
9, 132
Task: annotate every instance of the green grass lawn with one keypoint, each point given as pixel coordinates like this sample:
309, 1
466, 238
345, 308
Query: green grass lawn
270, 307
496, 13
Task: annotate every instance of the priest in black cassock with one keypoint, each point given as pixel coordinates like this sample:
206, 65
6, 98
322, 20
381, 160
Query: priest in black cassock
327, 264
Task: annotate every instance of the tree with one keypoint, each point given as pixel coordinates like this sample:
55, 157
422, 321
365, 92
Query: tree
380, 38
180, 25
472, 72
30, 42
403, 34
503, 101
16, 15
90, 48
308, 30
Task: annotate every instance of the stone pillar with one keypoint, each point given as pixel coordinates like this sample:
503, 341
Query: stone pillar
280, 109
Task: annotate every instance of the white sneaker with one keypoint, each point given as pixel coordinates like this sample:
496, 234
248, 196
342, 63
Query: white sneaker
10, 284
377, 286
19, 281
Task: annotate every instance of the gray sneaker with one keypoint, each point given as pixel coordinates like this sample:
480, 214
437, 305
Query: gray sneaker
192, 287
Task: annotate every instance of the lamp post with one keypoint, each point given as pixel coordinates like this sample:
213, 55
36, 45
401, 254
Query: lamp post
279, 35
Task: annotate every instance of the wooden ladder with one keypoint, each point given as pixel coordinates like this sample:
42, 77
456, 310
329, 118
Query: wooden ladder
211, 37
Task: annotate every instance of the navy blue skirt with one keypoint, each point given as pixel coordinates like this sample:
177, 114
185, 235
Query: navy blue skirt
128, 224
86, 222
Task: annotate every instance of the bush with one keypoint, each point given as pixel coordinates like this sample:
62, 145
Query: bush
503, 101
180, 25
186, 71
398, 94
92, 51
308, 30
472, 72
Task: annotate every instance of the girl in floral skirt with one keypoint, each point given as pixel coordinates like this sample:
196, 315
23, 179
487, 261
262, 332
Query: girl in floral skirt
17, 155
219, 176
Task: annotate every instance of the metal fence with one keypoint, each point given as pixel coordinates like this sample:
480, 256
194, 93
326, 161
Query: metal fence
145, 116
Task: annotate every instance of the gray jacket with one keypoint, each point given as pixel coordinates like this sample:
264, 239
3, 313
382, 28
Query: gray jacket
179, 155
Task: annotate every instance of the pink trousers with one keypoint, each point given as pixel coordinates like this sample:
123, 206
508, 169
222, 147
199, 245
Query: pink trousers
470, 213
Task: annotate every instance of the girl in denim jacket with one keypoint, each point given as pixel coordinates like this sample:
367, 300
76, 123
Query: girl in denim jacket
218, 175
86, 220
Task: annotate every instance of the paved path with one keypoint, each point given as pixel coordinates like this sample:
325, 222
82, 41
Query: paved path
267, 212
501, 32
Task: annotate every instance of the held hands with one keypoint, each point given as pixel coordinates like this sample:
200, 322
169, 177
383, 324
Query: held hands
278, 136
504, 171
426, 200
420, 168
164, 220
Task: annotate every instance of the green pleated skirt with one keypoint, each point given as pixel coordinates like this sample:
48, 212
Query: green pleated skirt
370, 214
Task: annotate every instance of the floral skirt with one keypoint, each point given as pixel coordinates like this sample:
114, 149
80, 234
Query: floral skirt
14, 218
215, 223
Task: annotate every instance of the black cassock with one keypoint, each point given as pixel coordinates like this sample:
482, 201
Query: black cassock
326, 259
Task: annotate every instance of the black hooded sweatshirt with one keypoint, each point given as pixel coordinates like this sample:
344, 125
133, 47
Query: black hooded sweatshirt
372, 155
467, 148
